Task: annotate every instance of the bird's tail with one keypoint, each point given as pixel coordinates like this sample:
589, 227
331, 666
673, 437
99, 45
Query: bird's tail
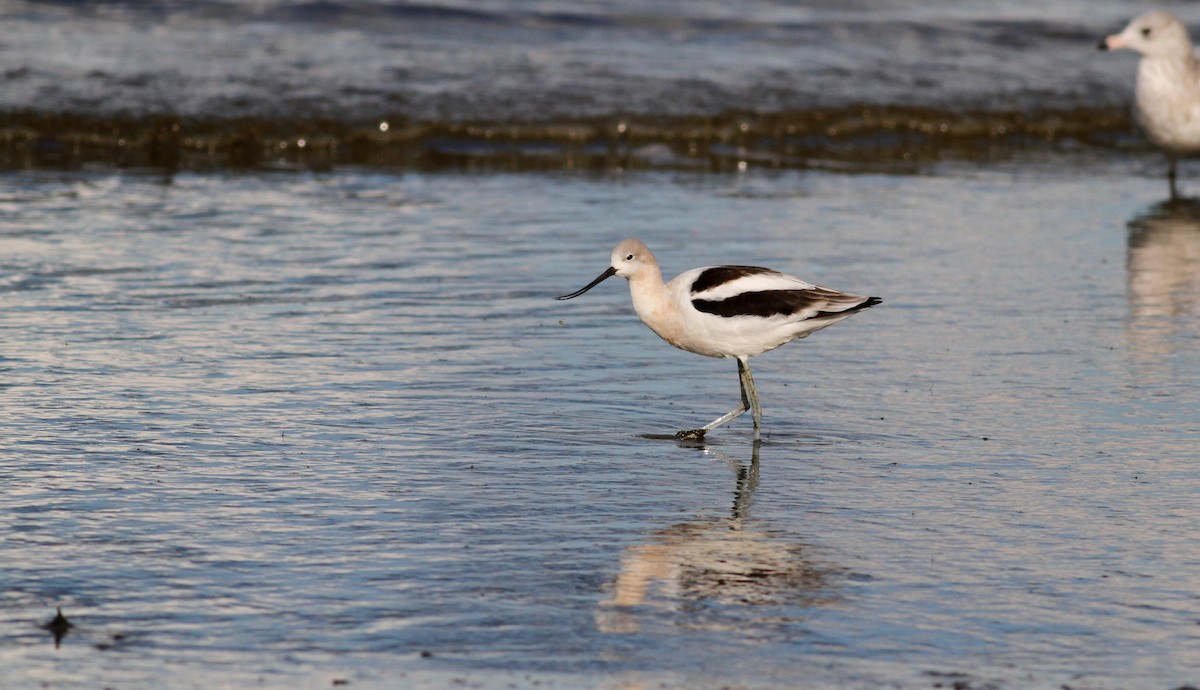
847, 310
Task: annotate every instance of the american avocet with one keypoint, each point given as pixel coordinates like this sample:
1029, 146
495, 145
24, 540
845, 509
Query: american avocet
1167, 94
726, 311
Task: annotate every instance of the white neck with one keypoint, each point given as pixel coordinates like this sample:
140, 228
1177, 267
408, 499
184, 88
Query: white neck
652, 302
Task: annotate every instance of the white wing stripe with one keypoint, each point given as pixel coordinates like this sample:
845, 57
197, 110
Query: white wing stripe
763, 282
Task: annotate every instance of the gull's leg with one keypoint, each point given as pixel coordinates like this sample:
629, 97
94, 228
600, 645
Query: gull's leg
748, 401
1171, 178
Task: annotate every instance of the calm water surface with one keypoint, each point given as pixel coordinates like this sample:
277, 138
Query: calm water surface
290, 430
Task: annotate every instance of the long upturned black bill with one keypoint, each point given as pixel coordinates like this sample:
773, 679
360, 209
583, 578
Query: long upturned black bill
607, 274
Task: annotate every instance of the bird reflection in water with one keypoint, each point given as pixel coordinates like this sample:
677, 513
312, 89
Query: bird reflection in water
1163, 266
713, 562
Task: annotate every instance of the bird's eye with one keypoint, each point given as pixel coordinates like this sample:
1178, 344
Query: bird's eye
1146, 32
629, 258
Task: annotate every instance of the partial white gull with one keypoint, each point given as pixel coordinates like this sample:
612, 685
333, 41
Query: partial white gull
1167, 95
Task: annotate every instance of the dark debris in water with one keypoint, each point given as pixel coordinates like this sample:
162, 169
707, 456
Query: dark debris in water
858, 137
959, 681
114, 641
58, 626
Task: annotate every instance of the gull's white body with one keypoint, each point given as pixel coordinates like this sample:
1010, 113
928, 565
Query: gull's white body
1167, 92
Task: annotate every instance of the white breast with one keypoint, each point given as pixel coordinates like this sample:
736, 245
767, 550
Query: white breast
1168, 104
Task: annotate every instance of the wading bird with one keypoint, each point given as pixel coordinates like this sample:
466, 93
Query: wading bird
1167, 92
726, 311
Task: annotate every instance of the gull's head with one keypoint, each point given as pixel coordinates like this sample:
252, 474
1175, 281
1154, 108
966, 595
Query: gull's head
1154, 34
630, 257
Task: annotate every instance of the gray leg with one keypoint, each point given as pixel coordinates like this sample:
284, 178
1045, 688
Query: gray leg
1171, 178
749, 402
749, 391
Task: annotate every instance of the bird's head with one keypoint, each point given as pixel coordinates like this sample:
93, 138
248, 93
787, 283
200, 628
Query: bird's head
1154, 34
629, 259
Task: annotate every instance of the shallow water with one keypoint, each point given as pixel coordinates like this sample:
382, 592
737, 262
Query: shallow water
286, 430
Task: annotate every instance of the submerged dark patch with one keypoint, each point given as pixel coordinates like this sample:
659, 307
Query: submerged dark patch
719, 275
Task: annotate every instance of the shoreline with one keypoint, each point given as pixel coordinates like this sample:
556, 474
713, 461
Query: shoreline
862, 137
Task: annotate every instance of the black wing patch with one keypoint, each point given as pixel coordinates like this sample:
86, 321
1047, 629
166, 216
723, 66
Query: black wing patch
765, 304
719, 275
770, 303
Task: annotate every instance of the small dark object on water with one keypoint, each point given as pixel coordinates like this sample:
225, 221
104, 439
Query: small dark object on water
340, 681
426, 654
58, 626
114, 640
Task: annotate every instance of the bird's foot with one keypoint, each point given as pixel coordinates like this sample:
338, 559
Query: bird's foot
690, 435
